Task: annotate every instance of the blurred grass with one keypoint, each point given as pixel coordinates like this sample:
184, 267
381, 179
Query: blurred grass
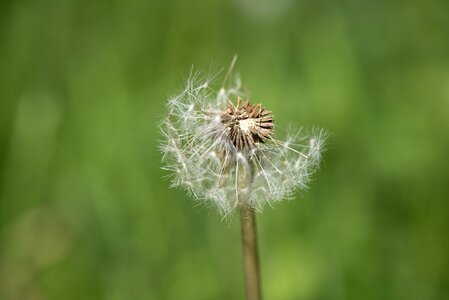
86, 214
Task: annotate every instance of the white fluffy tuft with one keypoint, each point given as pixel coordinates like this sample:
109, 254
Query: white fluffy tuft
201, 159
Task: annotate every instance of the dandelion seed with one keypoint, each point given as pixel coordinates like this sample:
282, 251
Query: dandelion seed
225, 150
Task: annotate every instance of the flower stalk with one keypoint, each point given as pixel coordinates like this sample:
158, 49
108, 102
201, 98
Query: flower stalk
250, 253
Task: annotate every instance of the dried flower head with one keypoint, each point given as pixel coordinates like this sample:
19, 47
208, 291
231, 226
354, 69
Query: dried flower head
226, 152
247, 124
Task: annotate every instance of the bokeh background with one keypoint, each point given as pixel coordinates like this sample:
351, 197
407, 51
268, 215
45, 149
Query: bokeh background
85, 212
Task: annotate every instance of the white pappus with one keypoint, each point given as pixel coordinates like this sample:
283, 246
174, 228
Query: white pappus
225, 151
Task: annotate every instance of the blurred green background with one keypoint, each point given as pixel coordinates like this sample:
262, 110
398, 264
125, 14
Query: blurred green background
86, 214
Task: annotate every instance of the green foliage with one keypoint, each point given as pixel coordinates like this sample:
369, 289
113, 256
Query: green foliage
85, 212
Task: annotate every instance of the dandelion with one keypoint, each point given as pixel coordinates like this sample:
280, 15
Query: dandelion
226, 154
225, 151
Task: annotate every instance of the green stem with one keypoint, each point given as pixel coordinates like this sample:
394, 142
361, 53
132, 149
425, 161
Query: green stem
250, 254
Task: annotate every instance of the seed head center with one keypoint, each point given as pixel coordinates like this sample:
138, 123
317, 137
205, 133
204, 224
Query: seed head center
247, 124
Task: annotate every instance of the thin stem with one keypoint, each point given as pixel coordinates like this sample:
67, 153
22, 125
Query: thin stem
228, 74
250, 254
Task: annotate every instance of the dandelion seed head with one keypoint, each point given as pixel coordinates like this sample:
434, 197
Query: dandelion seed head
226, 152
